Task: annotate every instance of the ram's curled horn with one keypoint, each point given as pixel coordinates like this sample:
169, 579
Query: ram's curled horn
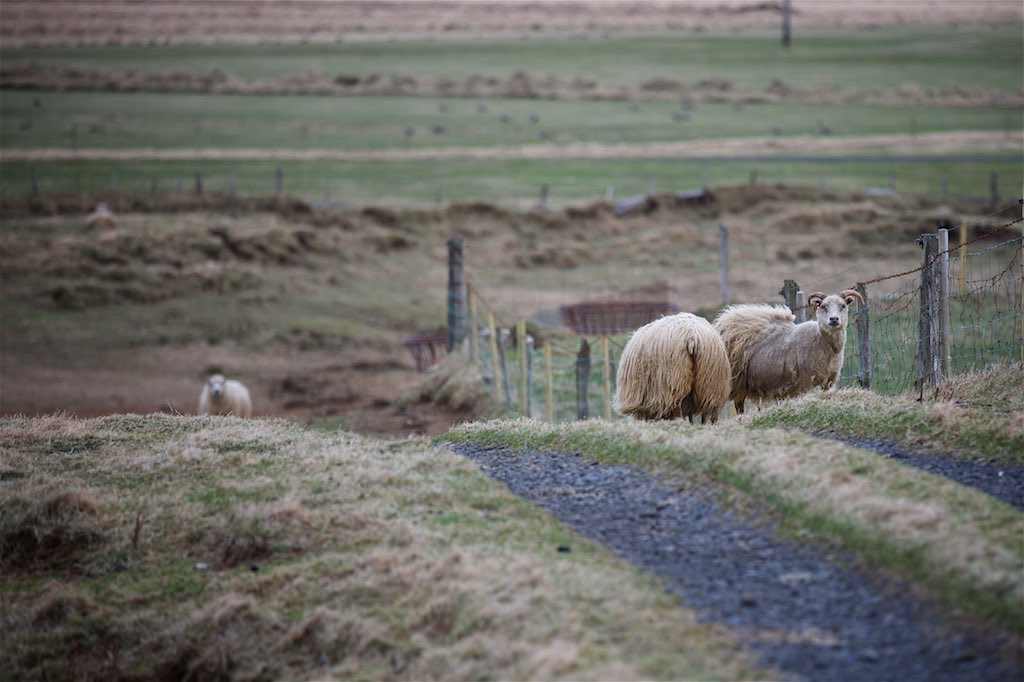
848, 293
815, 298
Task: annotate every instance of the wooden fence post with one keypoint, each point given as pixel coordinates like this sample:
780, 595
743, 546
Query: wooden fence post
943, 304
723, 263
542, 201
582, 380
507, 397
788, 292
800, 311
474, 340
925, 341
456, 293
963, 258
549, 389
606, 371
863, 319
495, 369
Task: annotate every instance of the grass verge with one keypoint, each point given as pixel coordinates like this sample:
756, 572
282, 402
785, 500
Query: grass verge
975, 415
957, 542
159, 547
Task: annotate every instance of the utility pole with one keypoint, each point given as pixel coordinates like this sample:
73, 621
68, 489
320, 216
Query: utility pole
785, 24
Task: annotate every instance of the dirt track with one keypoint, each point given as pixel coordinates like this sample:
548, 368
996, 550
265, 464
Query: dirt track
925, 143
808, 613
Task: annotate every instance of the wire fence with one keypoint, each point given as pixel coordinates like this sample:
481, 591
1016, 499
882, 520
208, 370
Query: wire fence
961, 310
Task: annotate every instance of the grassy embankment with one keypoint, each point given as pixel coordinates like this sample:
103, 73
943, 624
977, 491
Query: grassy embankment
960, 544
158, 546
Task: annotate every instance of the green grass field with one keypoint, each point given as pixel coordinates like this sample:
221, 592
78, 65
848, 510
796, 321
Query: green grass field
171, 121
512, 183
929, 57
905, 60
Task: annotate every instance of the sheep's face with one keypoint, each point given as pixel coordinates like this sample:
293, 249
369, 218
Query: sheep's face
833, 312
216, 384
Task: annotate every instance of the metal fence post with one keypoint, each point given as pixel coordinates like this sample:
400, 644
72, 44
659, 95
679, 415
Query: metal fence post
801, 307
863, 319
582, 380
495, 369
524, 402
474, 340
926, 338
606, 371
549, 375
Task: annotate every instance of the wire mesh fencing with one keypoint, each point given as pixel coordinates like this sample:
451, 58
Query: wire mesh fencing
961, 310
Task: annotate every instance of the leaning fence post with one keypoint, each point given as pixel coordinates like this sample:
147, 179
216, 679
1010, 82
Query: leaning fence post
606, 370
943, 304
800, 311
456, 293
723, 262
788, 292
863, 319
582, 380
549, 376
495, 369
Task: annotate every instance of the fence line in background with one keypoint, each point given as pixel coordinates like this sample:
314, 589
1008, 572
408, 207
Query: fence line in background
958, 311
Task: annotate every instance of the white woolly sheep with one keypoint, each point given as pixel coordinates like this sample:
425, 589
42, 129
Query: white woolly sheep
222, 396
673, 367
772, 357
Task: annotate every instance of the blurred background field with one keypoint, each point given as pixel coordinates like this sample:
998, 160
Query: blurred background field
284, 183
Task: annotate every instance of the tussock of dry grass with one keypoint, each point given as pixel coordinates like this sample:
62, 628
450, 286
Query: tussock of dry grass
456, 384
255, 549
954, 539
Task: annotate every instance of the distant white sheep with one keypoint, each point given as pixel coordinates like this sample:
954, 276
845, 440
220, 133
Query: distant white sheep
222, 396
772, 357
673, 367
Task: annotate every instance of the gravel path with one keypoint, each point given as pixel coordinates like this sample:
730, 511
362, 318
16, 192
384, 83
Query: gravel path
1002, 481
808, 615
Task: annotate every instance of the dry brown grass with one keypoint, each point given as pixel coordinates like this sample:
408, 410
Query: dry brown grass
268, 551
33, 76
308, 308
249, 21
